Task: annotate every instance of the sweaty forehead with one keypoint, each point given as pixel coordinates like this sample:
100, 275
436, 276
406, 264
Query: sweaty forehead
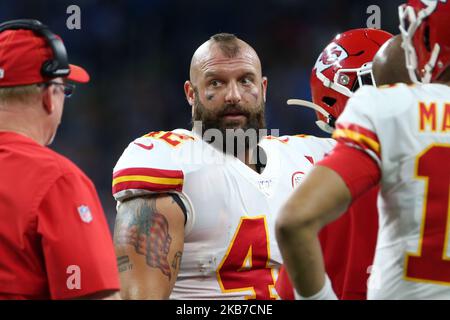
210, 57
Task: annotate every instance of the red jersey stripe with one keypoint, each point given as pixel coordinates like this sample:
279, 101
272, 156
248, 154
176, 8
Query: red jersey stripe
154, 187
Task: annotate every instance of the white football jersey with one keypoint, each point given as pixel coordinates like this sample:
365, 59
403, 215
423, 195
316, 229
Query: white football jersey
406, 129
230, 250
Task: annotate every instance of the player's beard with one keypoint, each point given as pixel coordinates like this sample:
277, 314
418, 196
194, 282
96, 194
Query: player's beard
214, 119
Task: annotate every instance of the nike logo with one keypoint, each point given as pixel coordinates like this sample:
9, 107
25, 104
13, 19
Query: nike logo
149, 147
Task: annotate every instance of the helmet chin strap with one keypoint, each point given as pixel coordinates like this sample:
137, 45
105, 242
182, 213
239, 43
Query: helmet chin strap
431, 64
321, 124
325, 126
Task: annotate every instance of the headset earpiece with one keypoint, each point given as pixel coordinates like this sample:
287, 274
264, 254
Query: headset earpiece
58, 66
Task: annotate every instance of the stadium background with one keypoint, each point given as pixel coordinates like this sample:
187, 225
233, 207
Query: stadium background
138, 53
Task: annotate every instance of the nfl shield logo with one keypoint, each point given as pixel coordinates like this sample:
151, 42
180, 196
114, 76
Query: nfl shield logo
297, 178
85, 213
2, 73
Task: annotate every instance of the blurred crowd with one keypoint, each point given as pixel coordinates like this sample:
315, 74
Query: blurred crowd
138, 54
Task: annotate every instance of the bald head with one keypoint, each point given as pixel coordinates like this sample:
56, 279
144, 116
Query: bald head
225, 46
226, 89
389, 65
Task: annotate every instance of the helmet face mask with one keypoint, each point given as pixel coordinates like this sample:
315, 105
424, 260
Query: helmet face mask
342, 67
425, 31
363, 76
409, 22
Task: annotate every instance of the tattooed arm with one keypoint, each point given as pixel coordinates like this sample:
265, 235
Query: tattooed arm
149, 239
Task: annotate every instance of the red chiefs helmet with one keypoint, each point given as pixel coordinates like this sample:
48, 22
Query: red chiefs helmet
343, 66
425, 29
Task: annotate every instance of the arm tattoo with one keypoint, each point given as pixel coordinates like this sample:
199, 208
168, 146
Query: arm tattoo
147, 231
176, 262
123, 263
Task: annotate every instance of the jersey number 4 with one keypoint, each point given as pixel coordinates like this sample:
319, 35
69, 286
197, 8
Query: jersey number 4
432, 264
245, 266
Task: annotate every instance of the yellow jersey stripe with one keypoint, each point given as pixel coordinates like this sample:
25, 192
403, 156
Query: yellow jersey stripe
357, 137
156, 180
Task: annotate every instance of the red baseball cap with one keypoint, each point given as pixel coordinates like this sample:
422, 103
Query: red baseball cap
22, 54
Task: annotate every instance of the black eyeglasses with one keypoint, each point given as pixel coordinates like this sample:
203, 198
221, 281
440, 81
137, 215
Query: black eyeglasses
68, 87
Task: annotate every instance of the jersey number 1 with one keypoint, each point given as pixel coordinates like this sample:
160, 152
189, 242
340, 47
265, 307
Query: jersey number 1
432, 263
245, 265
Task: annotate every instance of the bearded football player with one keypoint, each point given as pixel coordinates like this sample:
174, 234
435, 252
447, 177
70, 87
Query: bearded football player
195, 219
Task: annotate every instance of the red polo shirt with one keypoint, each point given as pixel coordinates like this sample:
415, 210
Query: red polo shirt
54, 239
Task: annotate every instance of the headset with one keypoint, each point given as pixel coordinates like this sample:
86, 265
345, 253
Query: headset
53, 68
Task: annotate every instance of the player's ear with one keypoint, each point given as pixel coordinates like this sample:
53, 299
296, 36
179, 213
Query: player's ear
264, 87
48, 100
189, 92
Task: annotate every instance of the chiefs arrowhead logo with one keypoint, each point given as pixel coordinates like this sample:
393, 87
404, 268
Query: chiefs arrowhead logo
331, 57
333, 54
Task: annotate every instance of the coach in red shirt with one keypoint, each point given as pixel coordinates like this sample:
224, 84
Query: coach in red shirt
54, 239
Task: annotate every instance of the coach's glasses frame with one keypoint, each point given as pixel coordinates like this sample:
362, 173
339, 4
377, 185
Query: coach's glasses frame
68, 88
